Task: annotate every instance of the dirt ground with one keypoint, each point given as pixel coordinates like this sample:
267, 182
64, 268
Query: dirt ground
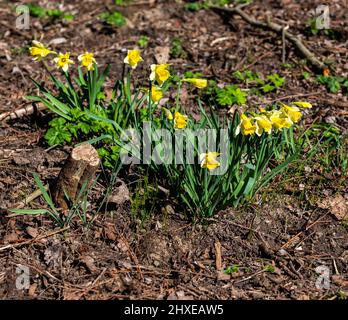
277, 241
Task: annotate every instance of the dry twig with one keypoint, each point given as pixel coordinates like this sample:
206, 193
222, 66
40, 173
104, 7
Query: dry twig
11, 115
47, 235
296, 41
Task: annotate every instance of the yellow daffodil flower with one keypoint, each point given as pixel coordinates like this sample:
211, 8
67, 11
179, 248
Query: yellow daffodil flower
168, 114
279, 119
262, 110
133, 58
292, 112
302, 104
180, 120
160, 73
199, 83
208, 160
87, 60
39, 51
63, 61
263, 124
156, 94
246, 126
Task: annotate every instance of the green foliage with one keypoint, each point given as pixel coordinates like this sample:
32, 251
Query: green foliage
333, 83
306, 75
230, 95
195, 6
114, 19
190, 74
85, 113
312, 26
177, 50
37, 11
276, 82
80, 125
58, 132
235, 94
312, 29
143, 201
203, 194
68, 17
143, 41
122, 2
327, 148
269, 268
258, 83
287, 65
232, 269
55, 14
79, 208
341, 295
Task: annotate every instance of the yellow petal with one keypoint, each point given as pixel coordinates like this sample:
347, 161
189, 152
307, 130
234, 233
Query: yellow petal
302, 104
199, 83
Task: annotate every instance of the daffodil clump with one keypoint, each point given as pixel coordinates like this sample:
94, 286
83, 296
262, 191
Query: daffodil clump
227, 174
62, 60
266, 121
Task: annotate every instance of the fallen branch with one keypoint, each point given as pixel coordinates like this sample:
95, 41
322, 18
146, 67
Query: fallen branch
11, 115
278, 29
292, 96
47, 235
333, 102
218, 256
27, 200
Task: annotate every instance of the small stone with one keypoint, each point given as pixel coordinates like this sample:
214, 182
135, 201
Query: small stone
33, 232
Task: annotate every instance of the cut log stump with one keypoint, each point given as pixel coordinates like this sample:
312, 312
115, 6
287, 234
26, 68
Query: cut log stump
78, 172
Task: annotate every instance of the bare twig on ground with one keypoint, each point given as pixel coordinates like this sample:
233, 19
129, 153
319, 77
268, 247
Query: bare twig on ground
334, 102
218, 257
27, 200
131, 253
284, 44
47, 235
292, 96
296, 41
11, 115
296, 238
249, 277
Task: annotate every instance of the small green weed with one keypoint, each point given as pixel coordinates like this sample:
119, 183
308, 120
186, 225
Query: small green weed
333, 83
313, 30
177, 50
114, 19
232, 269
257, 83
54, 14
143, 42
143, 200
122, 2
269, 268
230, 95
